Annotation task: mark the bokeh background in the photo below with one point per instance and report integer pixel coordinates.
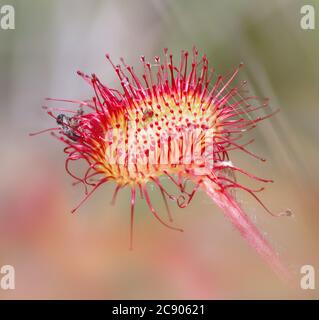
(60, 255)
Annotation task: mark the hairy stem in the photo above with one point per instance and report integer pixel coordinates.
(247, 229)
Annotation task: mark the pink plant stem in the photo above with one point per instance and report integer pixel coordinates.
(247, 229)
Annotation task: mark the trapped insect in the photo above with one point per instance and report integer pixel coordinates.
(69, 125)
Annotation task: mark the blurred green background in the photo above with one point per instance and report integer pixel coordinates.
(59, 255)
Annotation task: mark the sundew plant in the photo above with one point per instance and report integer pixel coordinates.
(179, 121)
